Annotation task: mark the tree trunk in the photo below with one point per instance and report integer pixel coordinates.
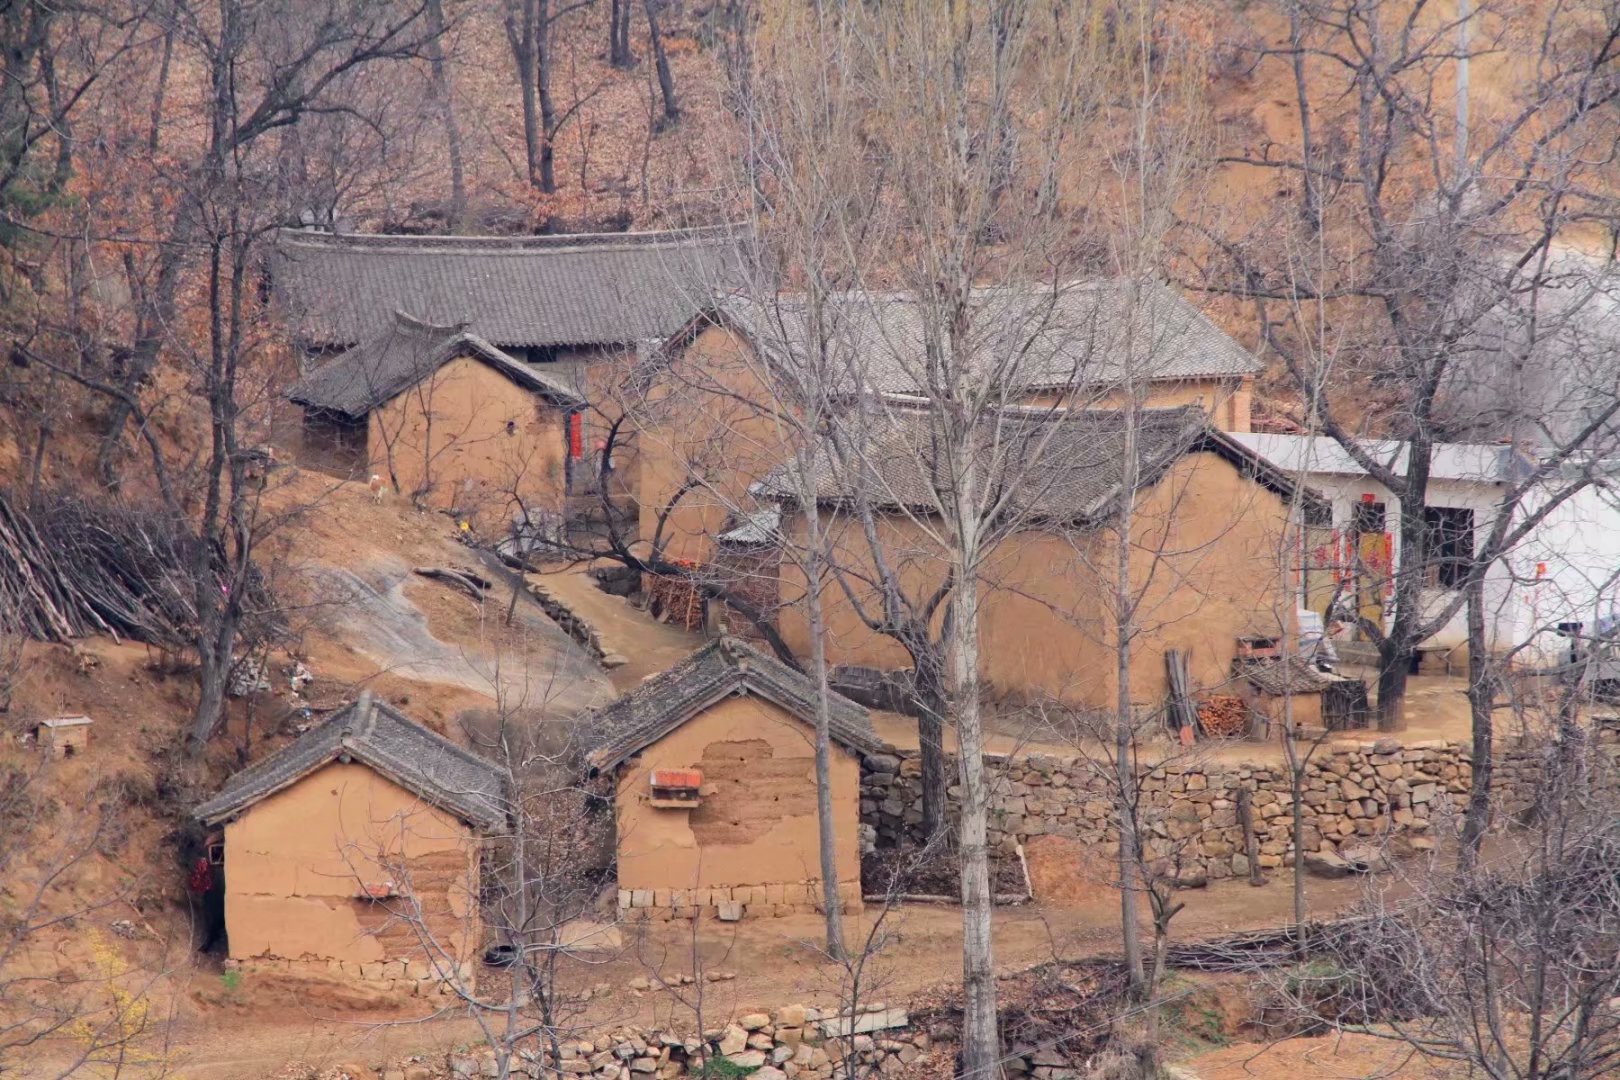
(666, 80)
(520, 36)
(619, 54)
(931, 705)
(447, 108)
(548, 106)
(1394, 665)
(981, 1041)
(1481, 706)
(1130, 844)
(827, 827)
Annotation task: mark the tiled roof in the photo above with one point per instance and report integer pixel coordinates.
(517, 292)
(380, 736)
(1294, 675)
(1036, 337)
(723, 668)
(1062, 466)
(402, 355)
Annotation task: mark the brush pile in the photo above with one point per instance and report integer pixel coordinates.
(72, 567)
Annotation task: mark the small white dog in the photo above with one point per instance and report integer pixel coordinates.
(379, 488)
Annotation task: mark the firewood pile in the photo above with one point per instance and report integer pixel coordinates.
(1223, 716)
(72, 567)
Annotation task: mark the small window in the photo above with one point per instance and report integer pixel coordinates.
(216, 854)
(1450, 540)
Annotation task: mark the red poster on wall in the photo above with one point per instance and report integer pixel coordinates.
(576, 434)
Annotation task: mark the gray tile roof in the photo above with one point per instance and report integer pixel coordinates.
(517, 292)
(385, 739)
(1063, 466)
(1293, 675)
(402, 355)
(1036, 337)
(723, 668)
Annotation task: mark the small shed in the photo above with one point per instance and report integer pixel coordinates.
(355, 846)
(714, 782)
(1277, 687)
(64, 736)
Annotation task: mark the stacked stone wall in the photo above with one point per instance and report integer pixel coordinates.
(1357, 796)
(729, 904)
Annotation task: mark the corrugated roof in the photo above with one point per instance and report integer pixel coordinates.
(380, 736)
(402, 355)
(1468, 462)
(719, 670)
(1034, 337)
(517, 292)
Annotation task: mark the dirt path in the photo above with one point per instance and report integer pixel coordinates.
(253, 1033)
(647, 645)
(378, 616)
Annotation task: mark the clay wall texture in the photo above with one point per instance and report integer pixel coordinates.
(753, 838)
(449, 434)
(1357, 796)
(1204, 565)
(297, 862)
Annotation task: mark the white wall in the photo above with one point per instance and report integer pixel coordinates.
(1576, 550)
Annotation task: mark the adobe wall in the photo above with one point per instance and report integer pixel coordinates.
(296, 864)
(449, 434)
(1045, 630)
(753, 839)
(1357, 796)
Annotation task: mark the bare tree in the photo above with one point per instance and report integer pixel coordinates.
(1408, 233)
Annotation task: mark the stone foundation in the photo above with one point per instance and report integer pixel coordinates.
(729, 904)
(416, 978)
(1356, 796)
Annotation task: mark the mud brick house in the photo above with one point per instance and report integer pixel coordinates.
(711, 431)
(714, 787)
(1207, 522)
(568, 308)
(349, 847)
(443, 415)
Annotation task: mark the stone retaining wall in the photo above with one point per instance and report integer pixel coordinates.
(794, 1042)
(572, 623)
(733, 903)
(1356, 796)
(413, 978)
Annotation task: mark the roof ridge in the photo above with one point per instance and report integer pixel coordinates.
(700, 234)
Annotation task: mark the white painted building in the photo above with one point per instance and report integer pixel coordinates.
(1565, 570)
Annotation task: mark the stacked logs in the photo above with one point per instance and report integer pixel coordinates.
(71, 567)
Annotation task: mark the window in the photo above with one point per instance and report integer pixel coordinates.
(1450, 540)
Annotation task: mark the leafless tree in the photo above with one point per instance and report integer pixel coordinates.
(1506, 966)
(1407, 233)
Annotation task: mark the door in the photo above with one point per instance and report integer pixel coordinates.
(1371, 552)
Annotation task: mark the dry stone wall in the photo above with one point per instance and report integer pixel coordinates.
(731, 903)
(795, 1042)
(1358, 797)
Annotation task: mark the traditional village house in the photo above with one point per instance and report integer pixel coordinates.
(443, 416)
(1208, 526)
(714, 778)
(711, 432)
(571, 308)
(356, 849)
(1567, 569)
